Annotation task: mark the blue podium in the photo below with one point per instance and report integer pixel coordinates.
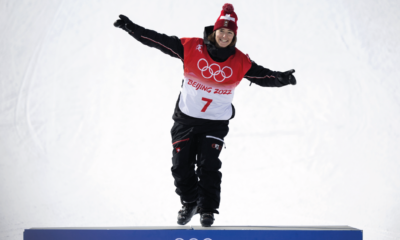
(197, 233)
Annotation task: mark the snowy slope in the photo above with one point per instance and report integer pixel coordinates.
(76, 149)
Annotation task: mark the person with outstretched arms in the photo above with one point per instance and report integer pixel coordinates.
(212, 68)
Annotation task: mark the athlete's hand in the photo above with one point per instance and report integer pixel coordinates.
(125, 24)
(286, 77)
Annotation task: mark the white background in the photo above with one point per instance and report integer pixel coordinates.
(85, 115)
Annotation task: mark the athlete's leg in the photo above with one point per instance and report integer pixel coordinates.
(208, 166)
(184, 145)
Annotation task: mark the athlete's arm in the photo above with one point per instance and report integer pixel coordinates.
(263, 76)
(170, 45)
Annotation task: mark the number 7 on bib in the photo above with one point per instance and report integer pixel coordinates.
(207, 104)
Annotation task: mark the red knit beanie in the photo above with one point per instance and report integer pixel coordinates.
(227, 19)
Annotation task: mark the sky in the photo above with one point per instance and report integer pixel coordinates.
(86, 113)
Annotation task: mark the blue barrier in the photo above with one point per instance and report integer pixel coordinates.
(197, 233)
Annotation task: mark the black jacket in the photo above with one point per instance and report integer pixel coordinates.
(172, 46)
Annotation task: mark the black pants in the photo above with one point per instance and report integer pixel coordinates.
(201, 146)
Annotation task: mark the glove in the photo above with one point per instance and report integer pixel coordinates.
(125, 24)
(286, 77)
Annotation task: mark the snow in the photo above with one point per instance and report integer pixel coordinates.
(85, 115)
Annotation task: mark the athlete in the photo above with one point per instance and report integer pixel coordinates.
(213, 67)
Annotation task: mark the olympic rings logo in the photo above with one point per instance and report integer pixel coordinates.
(193, 239)
(214, 70)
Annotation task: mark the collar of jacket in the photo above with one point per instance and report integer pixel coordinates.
(217, 54)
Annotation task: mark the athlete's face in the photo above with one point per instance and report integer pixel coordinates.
(224, 37)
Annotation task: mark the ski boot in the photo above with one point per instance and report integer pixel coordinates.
(186, 213)
(206, 219)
